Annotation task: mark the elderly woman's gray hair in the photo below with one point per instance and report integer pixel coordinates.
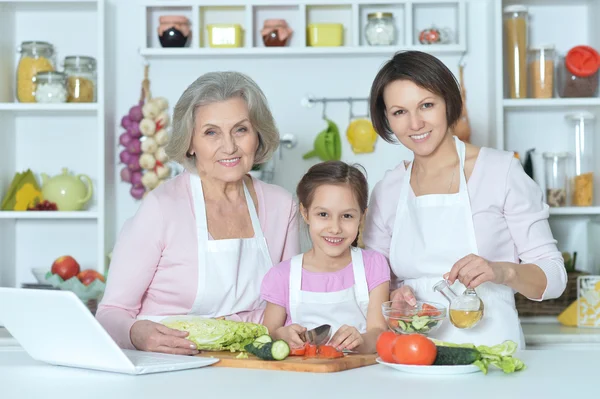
(216, 87)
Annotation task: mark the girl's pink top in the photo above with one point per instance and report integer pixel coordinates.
(154, 268)
(276, 284)
(509, 216)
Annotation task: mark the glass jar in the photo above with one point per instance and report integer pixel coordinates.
(578, 73)
(515, 39)
(582, 184)
(380, 30)
(466, 310)
(81, 79)
(541, 71)
(35, 57)
(556, 178)
(50, 87)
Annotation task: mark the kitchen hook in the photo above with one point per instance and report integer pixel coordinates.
(324, 110)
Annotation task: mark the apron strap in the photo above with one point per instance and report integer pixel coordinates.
(201, 238)
(295, 285)
(253, 214)
(361, 288)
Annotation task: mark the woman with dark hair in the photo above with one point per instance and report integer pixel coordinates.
(458, 212)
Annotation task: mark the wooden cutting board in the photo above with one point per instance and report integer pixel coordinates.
(292, 363)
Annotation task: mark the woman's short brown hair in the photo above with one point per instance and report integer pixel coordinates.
(425, 71)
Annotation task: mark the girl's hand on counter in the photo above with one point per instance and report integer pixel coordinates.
(149, 336)
(346, 338)
(291, 335)
(473, 270)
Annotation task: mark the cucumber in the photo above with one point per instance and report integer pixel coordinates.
(451, 356)
(277, 350)
(263, 339)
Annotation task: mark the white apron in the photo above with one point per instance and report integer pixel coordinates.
(230, 271)
(431, 233)
(349, 306)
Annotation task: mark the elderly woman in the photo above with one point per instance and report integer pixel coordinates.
(457, 211)
(201, 243)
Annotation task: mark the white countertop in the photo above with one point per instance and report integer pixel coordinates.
(22, 377)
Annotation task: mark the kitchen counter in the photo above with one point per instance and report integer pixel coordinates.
(549, 374)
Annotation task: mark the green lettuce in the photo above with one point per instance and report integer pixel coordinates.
(500, 356)
(218, 335)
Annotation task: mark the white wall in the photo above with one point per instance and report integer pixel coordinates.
(285, 81)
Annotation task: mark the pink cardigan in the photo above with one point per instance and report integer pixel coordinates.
(154, 262)
(509, 216)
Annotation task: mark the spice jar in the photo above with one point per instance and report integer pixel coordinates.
(515, 34)
(173, 30)
(275, 32)
(380, 29)
(35, 57)
(556, 178)
(583, 180)
(541, 71)
(81, 79)
(578, 73)
(50, 87)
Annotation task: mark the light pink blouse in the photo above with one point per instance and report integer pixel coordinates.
(509, 216)
(154, 268)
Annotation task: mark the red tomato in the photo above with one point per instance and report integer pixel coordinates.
(414, 349)
(385, 344)
(298, 351)
(428, 310)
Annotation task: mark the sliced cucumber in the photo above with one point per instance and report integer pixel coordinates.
(402, 325)
(280, 350)
(277, 350)
(263, 339)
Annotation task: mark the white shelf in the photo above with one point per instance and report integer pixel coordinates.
(290, 51)
(47, 215)
(575, 210)
(36, 107)
(531, 103)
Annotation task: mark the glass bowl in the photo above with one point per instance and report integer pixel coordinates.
(424, 318)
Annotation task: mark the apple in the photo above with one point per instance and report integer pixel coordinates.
(88, 276)
(66, 267)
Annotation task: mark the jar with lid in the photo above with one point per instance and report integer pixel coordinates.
(556, 178)
(578, 73)
(515, 35)
(35, 57)
(81, 79)
(50, 87)
(541, 71)
(380, 29)
(582, 184)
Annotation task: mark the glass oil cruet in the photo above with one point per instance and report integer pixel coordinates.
(466, 310)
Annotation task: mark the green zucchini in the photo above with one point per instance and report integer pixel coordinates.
(277, 350)
(451, 356)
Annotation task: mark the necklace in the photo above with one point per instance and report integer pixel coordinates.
(449, 186)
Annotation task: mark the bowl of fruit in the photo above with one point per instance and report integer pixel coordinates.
(423, 318)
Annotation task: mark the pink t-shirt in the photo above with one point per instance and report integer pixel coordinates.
(276, 284)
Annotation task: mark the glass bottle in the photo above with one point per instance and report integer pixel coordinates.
(556, 178)
(515, 35)
(50, 87)
(466, 310)
(35, 57)
(582, 187)
(81, 79)
(380, 30)
(541, 71)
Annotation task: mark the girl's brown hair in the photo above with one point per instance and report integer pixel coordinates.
(337, 173)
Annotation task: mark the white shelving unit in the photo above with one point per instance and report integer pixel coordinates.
(47, 137)
(564, 23)
(410, 17)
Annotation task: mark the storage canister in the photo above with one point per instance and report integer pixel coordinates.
(81, 79)
(582, 187)
(515, 39)
(541, 71)
(578, 73)
(35, 57)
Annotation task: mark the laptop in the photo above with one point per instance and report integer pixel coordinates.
(56, 327)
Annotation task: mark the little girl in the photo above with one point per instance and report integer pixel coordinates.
(334, 283)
